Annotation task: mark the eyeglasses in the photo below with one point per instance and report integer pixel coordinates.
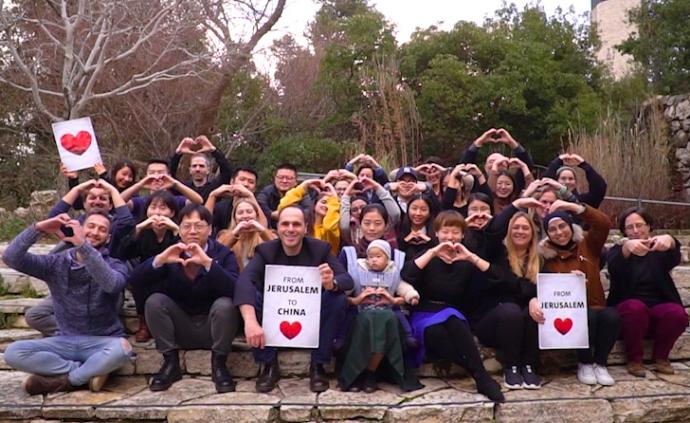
(637, 226)
(199, 226)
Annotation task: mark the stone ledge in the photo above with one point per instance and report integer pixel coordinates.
(562, 398)
(296, 362)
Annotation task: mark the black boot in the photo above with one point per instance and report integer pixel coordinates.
(318, 381)
(220, 373)
(489, 387)
(169, 373)
(270, 375)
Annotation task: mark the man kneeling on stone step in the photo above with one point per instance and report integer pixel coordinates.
(293, 248)
(193, 308)
(85, 284)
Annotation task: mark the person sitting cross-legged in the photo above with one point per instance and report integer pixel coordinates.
(85, 284)
(192, 307)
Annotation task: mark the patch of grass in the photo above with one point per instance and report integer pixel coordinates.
(11, 225)
(4, 289)
(29, 292)
(7, 320)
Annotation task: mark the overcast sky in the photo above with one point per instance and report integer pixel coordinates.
(409, 14)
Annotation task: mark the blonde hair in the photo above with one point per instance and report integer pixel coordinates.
(524, 266)
(247, 242)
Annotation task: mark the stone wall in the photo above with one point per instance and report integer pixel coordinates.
(40, 204)
(677, 115)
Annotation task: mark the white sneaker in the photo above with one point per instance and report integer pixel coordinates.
(585, 374)
(603, 376)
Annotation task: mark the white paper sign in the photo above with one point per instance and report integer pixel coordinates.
(292, 306)
(563, 299)
(76, 143)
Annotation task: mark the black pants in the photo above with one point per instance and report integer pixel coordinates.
(174, 329)
(512, 331)
(453, 341)
(604, 327)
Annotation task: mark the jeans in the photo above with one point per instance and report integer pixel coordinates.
(80, 357)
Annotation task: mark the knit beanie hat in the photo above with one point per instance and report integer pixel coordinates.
(381, 245)
(560, 214)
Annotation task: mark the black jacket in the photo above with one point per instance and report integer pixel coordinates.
(194, 296)
(597, 184)
(658, 264)
(314, 253)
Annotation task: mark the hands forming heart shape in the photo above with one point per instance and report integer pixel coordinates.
(193, 254)
(451, 252)
(478, 220)
(572, 160)
(200, 144)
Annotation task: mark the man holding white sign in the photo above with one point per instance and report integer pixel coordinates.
(289, 294)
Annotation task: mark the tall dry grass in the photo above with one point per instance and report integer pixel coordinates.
(635, 160)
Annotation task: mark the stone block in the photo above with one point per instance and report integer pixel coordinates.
(14, 402)
(682, 110)
(241, 363)
(149, 362)
(583, 411)
(147, 405)
(218, 413)
(460, 413)
(336, 405)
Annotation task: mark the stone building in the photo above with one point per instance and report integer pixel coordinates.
(611, 19)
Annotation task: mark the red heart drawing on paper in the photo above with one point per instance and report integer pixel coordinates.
(290, 330)
(563, 326)
(76, 144)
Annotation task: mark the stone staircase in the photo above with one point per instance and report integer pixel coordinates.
(448, 394)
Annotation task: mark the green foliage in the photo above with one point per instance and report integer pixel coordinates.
(7, 320)
(29, 292)
(4, 289)
(354, 36)
(661, 44)
(308, 153)
(531, 74)
(11, 226)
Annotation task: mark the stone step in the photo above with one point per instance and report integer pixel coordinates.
(295, 362)
(193, 399)
(18, 283)
(17, 306)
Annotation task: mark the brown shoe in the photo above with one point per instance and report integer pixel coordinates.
(664, 367)
(636, 368)
(96, 383)
(38, 385)
(143, 334)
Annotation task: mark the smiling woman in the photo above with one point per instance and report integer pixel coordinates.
(569, 249)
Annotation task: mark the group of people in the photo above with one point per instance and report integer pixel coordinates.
(413, 264)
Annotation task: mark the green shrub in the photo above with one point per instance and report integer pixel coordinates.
(11, 225)
(308, 153)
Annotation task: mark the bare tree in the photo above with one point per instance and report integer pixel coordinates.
(62, 51)
(222, 18)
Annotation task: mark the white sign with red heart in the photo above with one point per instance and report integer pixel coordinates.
(76, 143)
(292, 306)
(563, 300)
